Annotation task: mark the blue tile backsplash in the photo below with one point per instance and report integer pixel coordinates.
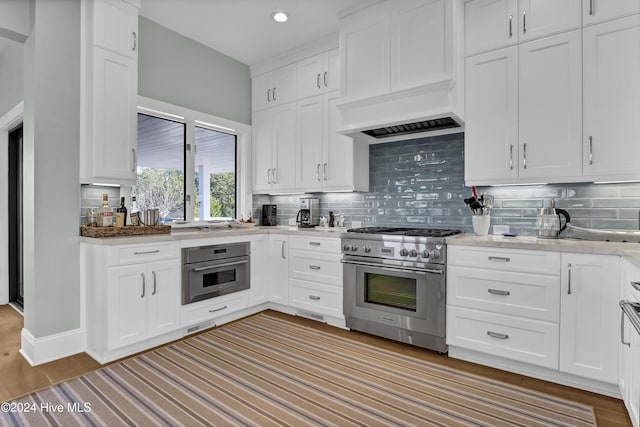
(420, 183)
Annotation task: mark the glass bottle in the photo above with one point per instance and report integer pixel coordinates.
(121, 214)
(134, 215)
(105, 214)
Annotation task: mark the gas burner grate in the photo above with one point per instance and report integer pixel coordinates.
(420, 232)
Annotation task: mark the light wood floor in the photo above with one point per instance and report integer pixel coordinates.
(19, 378)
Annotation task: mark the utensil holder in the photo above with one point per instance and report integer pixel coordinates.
(481, 224)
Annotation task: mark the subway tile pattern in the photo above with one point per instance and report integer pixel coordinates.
(420, 183)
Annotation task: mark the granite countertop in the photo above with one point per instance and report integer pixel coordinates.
(185, 233)
(631, 250)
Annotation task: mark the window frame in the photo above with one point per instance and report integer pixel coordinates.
(191, 119)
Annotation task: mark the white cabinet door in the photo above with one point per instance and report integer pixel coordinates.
(260, 259)
(311, 133)
(318, 74)
(539, 18)
(278, 269)
(550, 107)
(421, 42)
(612, 99)
(115, 126)
(341, 169)
(491, 112)
(127, 307)
(331, 76)
(116, 27)
(590, 316)
(595, 11)
(273, 88)
(364, 53)
(489, 25)
(262, 135)
(284, 138)
(163, 294)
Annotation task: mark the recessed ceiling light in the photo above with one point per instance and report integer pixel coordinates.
(280, 16)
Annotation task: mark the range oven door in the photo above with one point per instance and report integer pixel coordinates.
(396, 296)
(209, 279)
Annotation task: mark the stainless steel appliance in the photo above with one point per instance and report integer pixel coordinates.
(269, 215)
(395, 284)
(309, 213)
(631, 309)
(211, 271)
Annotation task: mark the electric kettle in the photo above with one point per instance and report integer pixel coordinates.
(548, 223)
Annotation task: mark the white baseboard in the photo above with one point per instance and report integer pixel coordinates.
(52, 347)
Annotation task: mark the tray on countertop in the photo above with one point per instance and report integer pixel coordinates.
(128, 230)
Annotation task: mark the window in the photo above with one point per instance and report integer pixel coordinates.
(160, 181)
(188, 164)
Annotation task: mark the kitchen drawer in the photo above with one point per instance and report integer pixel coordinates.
(316, 244)
(525, 340)
(518, 294)
(131, 254)
(317, 267)
(315, 297)
(202, 311)
(518, 260)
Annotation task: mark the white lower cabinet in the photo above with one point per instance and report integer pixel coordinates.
(133, 297)
(207, 311)
(315, 276)
(590, 316)
(279, 269)
(629, 347)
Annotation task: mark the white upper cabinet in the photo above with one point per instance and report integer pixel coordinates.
(318, 74)
(612, 99)
(491, 112)
(539, 18)
(595, 11)
(489, 25)
(109, 92)
(274, 88)
(550, 107)
(116, 27)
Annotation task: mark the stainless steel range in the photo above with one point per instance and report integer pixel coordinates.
(395, 285)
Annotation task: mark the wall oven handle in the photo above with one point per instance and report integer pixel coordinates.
(226, 264)
(387, 267)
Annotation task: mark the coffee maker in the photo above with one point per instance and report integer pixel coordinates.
(309, 213)
(269, 215)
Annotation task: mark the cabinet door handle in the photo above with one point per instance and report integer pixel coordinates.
(269, 176)
(155, 283)
(318, 80)
(325, 79)
(510, 26)
(269, 95)
(591, 7)
(622, 341)
(314, 297)
(568, 279)
(135, 41)
(314, 267)
(135, 159)
(314, 243)
(318, 172)
(283, 254)
(498, 335)
(511, 156)
(524, 22)
(499, 259)
(143, 285)
(147, 252)
(324, 172)
(590, 149)
(218, 309)
(273, 92)
(498, 292)
(524, 155)
(274, 177)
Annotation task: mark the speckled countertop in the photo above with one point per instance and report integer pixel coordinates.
(630, 250)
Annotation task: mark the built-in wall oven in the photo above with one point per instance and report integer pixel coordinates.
(212, 271)
(394, 284)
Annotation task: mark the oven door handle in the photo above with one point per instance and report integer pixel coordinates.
(227, 264)
(386, 267)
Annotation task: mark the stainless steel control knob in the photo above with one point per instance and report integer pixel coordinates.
(425, 254)
(354, 248)
(404, 252)
(435, 254)
(346, 248)
(413, 253)
(367, 249)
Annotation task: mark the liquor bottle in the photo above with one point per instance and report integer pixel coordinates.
(105, 214)
(121, 214)
(135, 212)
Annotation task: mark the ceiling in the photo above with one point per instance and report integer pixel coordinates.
(243, 29)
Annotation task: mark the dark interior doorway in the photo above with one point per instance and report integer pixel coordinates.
(16, 283)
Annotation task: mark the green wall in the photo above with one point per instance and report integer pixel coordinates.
(175, 69)
(51, 169)
(11, 76)
(15, 19)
